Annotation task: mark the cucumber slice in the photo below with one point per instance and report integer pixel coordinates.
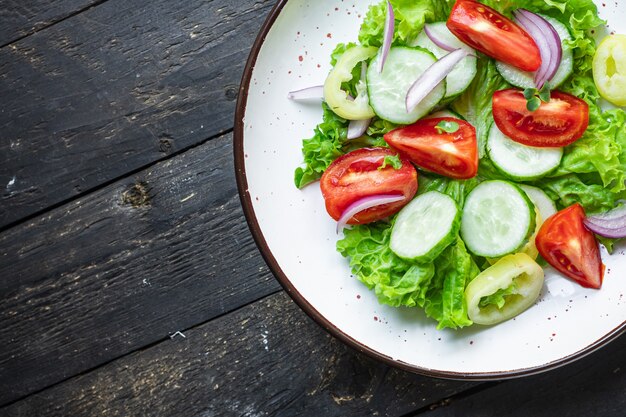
(540, 199)
(520, 162)
(498, 218)
(462, 75)
(523, 79)
(425, 227)
(387, 90)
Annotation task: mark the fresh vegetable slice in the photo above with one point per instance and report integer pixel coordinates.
(366, 173)
(547, 39)
(488, 31)
(314, 93)
(425, 227)
(557, 123)
(525, 79)
(609, 69)
(387, 37)
(464, 72)
(337, 99)
(540, 199)
(504, 290)
(432, 77)
(498, 218)
(452, 153)
(611, 224)
(565, 243)
(518, 161)
(530, 248)
(388, 90)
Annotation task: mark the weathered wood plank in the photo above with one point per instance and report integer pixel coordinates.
(115, 88)
(134, 262)
(266, 359)
(593, 386)
(20, 18)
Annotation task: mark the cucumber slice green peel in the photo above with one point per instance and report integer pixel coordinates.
(498, 219)
(387, 90)
(520, 162)
(425, 227)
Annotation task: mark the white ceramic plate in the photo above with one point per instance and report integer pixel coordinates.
(297, 237)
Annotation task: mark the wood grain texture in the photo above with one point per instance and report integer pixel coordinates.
(266, 359)
(20, 18)
(112, 89)
(593, 386)
(138, 260)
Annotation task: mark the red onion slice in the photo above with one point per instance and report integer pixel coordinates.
(356, 128)
(542, 43)
(553, 38)
(315, 93)
(610, 232)
(548, 41)
(611, 224)
(609, 218)
(390, 23)
(364, 204)
(441, 44)
(432, 77)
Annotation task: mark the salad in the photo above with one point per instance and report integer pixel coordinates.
(463, 144)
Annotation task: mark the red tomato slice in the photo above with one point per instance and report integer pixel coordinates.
(554, 124)
(358, 174)
(454, 155)
(493, 34)
(565, 243)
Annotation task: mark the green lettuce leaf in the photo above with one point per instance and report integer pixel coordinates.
(457, 189)
(410, 17)
(570, 189)
(499, 297)
(475, 103)
(445, 300)
(323, 148)
(395, 281)
(438, 287)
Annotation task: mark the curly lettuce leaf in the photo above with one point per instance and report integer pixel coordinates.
(499, 297)
(323, 148)
(474, 105)
(570, 189)
(445, 300)
(457, 189)
(395, 281)
(438, 287)
(410, 17)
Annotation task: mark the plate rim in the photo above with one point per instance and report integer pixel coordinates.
(296, 296)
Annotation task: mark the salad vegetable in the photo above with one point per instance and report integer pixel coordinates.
(431, 144)
(448, 150)
(504, 290)
(609, 69)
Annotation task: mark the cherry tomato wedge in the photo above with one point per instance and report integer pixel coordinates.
(555, 124)
(454, 154)
(493, 34)
(565, 243)
(360, 174)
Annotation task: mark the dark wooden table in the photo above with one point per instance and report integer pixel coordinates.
(130, 284)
